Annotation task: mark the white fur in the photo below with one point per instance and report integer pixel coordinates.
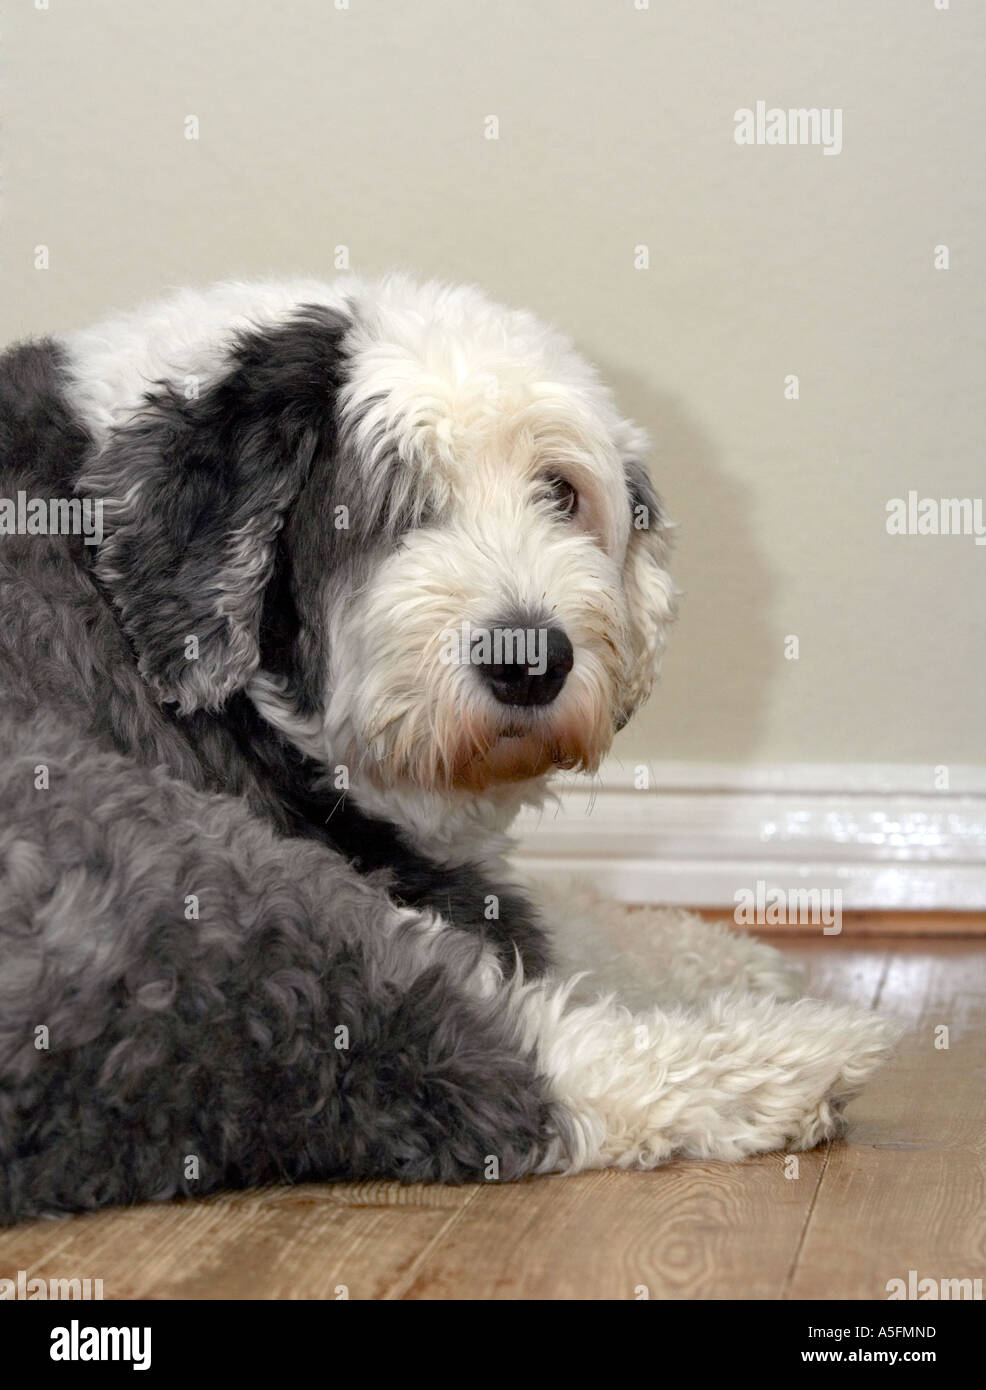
(478, 402)
(185, 336)
(691, 1040)
(696, 1041)
(731, 1076)
(661, 956)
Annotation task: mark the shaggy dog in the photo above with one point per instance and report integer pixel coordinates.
(372, 561)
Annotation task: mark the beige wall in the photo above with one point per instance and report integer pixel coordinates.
(365, 127)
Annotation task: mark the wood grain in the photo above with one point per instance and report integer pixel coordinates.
(910, 1191)
(906, 1191)
(867, 924)
(689, 1230)
(311, 1241)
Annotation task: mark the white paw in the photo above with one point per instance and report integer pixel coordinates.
(792, 1070)
(738, 1075)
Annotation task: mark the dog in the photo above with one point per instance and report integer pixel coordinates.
(264, 727)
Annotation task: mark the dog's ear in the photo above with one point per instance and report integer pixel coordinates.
(195, 492)
(650, 593)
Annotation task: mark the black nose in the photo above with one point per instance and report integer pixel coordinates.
(545, 660)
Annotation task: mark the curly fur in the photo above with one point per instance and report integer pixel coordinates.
(221, 963)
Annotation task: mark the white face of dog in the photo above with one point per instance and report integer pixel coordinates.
(410, 522)
(519, 618)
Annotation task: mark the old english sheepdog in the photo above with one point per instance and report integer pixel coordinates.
(307, 588)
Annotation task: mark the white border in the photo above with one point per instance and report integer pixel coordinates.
(702, 831)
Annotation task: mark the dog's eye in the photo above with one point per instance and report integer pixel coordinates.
(562, 495)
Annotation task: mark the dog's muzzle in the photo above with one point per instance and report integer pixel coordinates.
(518, 684)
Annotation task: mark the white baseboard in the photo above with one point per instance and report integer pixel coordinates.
(701, 832)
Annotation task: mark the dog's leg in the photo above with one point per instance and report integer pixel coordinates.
(731, 1062)
(737, 1075)
(188, 1002)
(659, 955)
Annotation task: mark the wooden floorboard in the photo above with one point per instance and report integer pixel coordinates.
(312, 1241)
(867, 924)
(907, 1190)
(910, 1191)
(690, 1230)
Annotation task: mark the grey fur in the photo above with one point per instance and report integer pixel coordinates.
(133, 1036)
(195, 493)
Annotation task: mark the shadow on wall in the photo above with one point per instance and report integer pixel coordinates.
(723, 655)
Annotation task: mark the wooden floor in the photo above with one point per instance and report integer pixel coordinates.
(906, 1191)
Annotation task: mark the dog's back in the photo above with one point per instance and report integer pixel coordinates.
(197, 990)
(255, 918)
